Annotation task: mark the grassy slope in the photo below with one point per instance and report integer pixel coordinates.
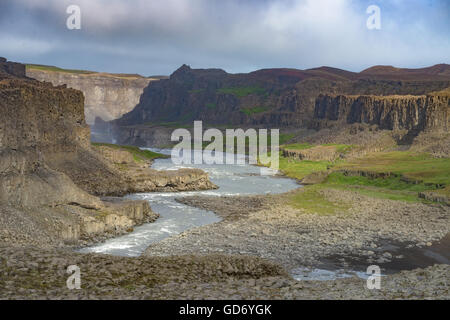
(56, 69)
(433, 172)
(420, 167)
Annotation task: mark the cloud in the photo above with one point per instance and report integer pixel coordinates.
(237, 35)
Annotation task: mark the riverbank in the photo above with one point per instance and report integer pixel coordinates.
(31, 273)
(360, 230)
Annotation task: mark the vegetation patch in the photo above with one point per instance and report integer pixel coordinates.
(254, 110)
(393, 187)
(416, 167)
(342, 148)
(211, 105)
(138, 154)
(298, 146)
(299, 169)
(312, 200)
(391, 183)
(241, 92)
(56, 69)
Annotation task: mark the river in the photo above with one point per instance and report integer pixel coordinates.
(176, 217)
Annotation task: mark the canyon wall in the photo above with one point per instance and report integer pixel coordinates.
(108, 96)
(270, 97)
(413, 113)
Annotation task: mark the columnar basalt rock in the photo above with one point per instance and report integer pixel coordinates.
(413, 113)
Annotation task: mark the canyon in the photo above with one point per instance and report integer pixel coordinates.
(60, 191)
(389, 98)
(107, 95)
(51, 176)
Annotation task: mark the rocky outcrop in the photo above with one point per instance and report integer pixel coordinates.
(141, 178)
(108, 96)
(318, 153)
(412, 113)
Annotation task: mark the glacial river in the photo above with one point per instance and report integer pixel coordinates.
(176, 217)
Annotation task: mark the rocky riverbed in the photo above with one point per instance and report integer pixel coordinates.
(30, 273)
(266, 227)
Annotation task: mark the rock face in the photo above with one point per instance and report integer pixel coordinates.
(108, 96)
(413, 113)
(273, 97)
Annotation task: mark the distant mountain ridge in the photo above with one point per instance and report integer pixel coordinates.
(279, 97)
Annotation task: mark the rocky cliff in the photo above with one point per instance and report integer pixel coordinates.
(271, 97)
(412, 113)
(108, 96)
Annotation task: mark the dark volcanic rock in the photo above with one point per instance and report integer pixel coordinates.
(270, 97)
(413, 113)
(12, 68)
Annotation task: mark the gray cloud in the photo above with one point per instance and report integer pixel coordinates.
(156, 36)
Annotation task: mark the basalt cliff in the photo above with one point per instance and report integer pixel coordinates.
(51, 176)
(107, 95)
(388, 97)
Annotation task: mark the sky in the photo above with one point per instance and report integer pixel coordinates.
(155, 37)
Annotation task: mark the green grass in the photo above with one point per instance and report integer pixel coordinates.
(254, 110)
(342, 148)
(422, 173)
(211, 105)
(285, 137)
(393, 187)
(299, 169)
(312, 201)
(56, 69)
(391, 183)
(138, 154)
(415, 167)
(241, 92)
(298, 146)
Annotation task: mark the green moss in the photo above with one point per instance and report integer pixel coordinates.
(241, 92)
(254, 110)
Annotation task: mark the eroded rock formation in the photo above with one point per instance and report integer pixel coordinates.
(108, 96)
